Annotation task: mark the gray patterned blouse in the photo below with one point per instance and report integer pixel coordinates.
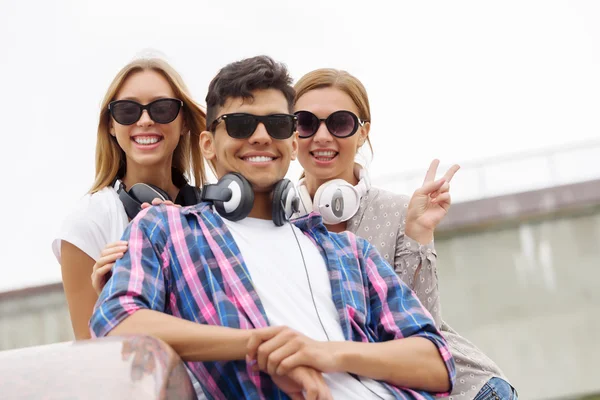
(380, 220)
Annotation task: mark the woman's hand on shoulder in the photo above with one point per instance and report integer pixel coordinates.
(157, 202)
(111, 253)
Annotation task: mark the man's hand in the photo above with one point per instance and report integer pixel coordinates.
(303, 383)
(278, 350)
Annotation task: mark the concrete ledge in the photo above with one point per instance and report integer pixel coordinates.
(509, 209)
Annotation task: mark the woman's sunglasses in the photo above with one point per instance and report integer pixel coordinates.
(161, 111)
(341, 124)
(242, 125)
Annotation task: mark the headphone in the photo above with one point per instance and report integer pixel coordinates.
(233, 198)
(336, 200)
(139, 193)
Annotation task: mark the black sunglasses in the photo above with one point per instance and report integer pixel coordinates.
(161, 111)
(242, 125)
(341, 124)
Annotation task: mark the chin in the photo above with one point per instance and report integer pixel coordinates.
(262, 185)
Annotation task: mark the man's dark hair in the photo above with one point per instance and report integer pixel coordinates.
(241, 78)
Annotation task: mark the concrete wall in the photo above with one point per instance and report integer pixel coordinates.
(33, 317)
(529, 296)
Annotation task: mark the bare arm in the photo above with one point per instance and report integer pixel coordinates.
(76, 267)
(414, 362)
(192, 341)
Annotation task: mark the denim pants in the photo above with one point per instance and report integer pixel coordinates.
(496, 389)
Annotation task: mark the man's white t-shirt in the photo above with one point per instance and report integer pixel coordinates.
(97, 220)
(275, 263)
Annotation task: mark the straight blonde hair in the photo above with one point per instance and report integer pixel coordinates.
(188, 161)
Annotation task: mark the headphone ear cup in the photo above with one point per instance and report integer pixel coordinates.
(188, 196)
(242, 197)
(285, 202)
(139, 193)
(337, 201)
(132, 205)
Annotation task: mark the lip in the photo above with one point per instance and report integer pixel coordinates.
(146, 147)
(321, 162)
(259, 154)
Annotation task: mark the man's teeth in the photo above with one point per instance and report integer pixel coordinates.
(259, 159)
(146, 140)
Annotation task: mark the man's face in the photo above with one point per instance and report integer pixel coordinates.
(262, 160)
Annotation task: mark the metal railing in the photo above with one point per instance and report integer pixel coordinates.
(512, 173)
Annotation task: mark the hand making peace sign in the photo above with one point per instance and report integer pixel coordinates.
(429, 204)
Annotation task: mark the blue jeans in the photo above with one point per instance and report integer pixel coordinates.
(496, 389)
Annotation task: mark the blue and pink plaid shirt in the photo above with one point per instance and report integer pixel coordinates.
(184, 262)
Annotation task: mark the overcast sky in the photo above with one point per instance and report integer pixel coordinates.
(461, 81)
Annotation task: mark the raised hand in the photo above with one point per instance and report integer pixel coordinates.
(429, 204)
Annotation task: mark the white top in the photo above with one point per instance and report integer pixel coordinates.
(97, 220)
(274, 261)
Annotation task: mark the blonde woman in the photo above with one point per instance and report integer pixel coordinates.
(147, 147)
(334, 120)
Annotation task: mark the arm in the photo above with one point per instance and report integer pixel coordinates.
(416, 265)
(76, 267)
(134, 299)
(406, 350)
(192, 341)
(413, 362)
(395, 315)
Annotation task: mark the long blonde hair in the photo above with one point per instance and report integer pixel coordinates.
(188, 161)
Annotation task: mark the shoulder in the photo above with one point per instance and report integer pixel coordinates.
(173, 219)
(379, 199)
(95, 220)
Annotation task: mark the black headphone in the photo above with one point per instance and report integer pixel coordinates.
(139, 193)
(233, 198)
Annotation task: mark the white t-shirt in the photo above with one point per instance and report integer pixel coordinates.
(97, 220)
(279, 276)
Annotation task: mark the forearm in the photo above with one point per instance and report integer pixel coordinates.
(192, 341)
(413, 362)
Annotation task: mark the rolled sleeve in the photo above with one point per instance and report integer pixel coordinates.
(138, 280)
(396, 312)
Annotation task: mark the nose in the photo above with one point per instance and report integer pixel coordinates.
(322, 136)
(260, 135)
(145, 119)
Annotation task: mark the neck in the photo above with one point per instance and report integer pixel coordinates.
(263, 207)
(160, 177)
(313, 182)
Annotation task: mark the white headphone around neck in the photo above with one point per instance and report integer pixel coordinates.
(336, 200)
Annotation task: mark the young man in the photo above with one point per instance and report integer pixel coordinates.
(257, 309)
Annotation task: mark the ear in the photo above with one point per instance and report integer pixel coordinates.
(363, 134)
(111, 128)
(207, 145)
(294, 146)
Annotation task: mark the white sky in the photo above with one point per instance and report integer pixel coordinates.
(459, 80)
